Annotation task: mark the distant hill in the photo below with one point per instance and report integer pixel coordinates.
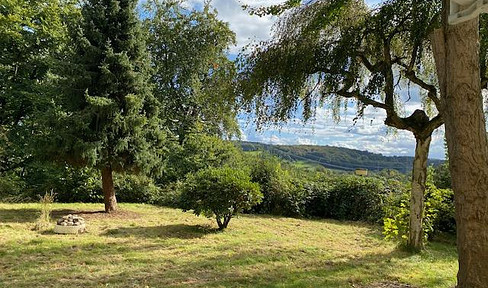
(337, 158)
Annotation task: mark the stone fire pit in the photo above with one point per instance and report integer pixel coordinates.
(70, 224)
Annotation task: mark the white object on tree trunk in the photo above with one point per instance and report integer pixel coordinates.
(464, 10)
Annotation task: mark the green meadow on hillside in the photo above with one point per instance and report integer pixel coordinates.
(149, 246)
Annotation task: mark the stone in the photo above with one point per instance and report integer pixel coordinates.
(70, 224)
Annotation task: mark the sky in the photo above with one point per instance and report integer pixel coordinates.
(368, 134)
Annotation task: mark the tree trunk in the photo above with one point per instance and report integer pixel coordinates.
(219, 222)
(462, 105)
(223, 221)
(419, 178)
(108, 190)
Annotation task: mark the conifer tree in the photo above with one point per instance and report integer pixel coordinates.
(107, 117)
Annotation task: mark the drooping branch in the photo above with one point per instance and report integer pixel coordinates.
(431, 89)
(365, 100)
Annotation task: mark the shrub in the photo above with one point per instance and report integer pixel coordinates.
(11, 187)
(198, 151)
(396, 221)
(442, 176)
(438, 214)
(79, 185)
(280, 196)
(70, 184)
(439, 210)
(170, 195)
(317, 196)
(223, 192)
(356, 198)
(133, 188)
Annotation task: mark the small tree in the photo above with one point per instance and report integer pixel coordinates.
(222, 192)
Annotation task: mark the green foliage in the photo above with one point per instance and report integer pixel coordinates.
(303, 193)
(11, 188)
(338, 158)
(194, 79)
(79, 185)
(439, 210)
(438, 214)
(317, 198)
(70, 184)
(137, 189)
(356, 198)
(170, 195)
(198, 151)
(279, 195)
(32, 37)
(106, 115)
(442, 176)
(396, 221)
(222, 192)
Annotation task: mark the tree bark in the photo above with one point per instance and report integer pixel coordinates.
(219, 222)
(108, 190)
(419, 178)
(462, 105)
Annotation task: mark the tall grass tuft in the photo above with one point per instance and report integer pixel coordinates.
(46, 201)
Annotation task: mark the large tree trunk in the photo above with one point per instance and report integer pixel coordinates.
(419, 178)
(108, 190)
(456, 50)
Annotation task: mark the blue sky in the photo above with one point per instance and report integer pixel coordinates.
(368, 133)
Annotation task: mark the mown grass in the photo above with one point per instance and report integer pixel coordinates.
(147, 246)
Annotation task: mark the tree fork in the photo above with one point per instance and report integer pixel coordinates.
(108, 190)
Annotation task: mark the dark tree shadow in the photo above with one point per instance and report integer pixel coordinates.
(180, 231)
(59, 213)
(24, 215)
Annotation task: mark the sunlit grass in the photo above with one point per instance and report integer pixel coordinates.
(147, 246)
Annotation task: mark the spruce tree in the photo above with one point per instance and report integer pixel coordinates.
(107, 117)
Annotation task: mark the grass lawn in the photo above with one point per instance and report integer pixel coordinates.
(147, 246)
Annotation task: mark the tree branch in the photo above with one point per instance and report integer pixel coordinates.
(367, 101)
(431, 89)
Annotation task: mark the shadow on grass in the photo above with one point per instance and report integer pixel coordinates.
(30, 215)
(192, 264)
(274, 267)
(24, 215)
(180, 231)
(62, 212)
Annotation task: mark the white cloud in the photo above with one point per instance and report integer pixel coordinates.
(248, 28)
(306, 141)
(368, 133)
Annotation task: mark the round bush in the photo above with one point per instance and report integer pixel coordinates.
(223, 192)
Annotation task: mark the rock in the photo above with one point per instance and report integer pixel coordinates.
(73, 224)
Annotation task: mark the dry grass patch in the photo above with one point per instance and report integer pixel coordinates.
(147, 246)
